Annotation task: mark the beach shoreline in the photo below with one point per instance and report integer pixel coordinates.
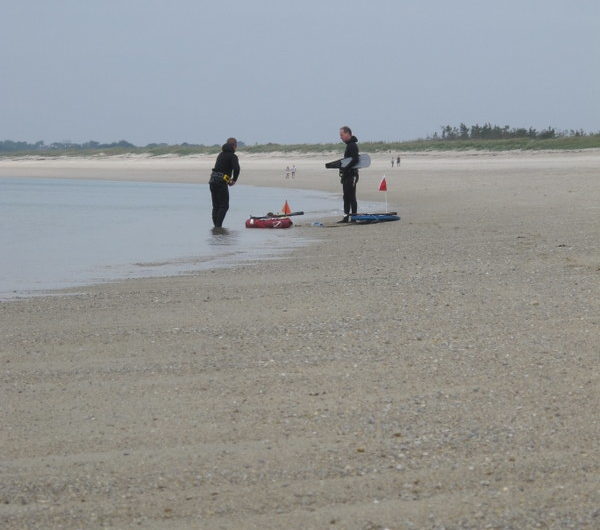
(59, 233)
(440, 371)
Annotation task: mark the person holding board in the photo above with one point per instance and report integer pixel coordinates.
(224, 174)
(349, 174)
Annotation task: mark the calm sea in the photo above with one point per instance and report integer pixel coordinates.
(58, 233)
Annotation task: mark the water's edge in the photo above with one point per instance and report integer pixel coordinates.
(224, 248)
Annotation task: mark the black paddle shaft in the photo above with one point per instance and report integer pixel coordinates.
(276, 215)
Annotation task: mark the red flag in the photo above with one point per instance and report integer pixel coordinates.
(286, 209)
(383, 185)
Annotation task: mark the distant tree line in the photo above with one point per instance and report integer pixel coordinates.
(8, 146)
(487, 131)
(485, 137)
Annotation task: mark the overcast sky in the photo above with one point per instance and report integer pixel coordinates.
(198, 71)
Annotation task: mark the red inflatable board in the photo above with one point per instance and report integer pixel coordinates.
(272, 222)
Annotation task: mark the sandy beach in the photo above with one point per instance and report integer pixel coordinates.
(437, 372)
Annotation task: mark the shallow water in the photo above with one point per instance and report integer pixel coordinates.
(58, 233)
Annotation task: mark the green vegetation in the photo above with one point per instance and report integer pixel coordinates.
(559, 143)
(13, 149)
(483, 138)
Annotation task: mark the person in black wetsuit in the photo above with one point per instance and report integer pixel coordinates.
(224, 174)
(348, 175)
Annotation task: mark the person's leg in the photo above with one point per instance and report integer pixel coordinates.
(353, 203)
(220, 199)
(223, 205)
(215, 202)
(348, 194)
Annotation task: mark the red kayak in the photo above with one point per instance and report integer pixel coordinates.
(269, 222)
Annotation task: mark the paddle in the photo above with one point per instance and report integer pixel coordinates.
(273, 215)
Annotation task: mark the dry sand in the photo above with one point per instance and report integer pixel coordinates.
(437, 372)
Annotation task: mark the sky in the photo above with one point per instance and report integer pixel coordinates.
(199, 71)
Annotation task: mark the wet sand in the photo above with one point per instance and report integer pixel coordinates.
(437, 372)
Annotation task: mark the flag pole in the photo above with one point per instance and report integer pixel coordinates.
(386, 203)
(383, 187)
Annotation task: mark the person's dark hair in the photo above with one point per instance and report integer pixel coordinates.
(232, 141)
(346, 129)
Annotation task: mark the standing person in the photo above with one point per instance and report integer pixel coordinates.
(398, 162)
(348, 175)
(224, 174)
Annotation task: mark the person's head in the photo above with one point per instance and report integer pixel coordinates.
(345, 133)
(232, 142)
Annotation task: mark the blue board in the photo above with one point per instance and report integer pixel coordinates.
(374, 217)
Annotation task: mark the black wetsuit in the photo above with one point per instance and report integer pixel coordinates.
(349, 177)
(227, 166)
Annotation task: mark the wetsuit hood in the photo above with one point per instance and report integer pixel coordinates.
(352, 139)
(227, 148)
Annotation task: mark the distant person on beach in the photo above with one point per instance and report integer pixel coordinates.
(287, 172)
(398, 162)
(294, 171)
(392, 162)
(224, 174)
(348, 175)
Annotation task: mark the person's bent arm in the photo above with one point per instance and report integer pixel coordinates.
(235, 173)
(353, 148)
